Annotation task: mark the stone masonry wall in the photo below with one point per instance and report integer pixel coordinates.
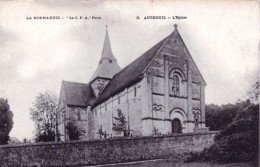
(128, 102)
(102, 151)
(174, 59)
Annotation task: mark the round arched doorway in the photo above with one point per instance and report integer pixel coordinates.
(176, 126)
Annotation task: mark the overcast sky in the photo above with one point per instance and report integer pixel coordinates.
(36, 55)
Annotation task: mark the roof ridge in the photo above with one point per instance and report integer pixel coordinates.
(115, 85)
(78, 94)
(75, 82)
(143, 54)
(191, 57)
(167, 38)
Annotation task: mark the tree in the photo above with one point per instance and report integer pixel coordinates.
(238, 142)
(6, 121)
(43, 115)
(218, 117)
(120, 122)
(253, 93)
(75, 132)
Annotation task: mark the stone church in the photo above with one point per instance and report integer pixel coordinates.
(161, 92)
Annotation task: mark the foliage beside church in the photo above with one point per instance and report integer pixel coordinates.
(237, 141)
(43, 113)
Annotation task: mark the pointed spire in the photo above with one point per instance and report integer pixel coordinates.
(107, 51)
(108, 66)
(175, 26)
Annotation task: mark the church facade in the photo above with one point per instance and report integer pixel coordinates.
(161, 92)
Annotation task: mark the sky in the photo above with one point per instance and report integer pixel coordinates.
(36, 55)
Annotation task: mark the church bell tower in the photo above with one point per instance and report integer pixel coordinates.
(106, 69)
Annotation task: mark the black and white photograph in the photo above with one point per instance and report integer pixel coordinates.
(129, 83)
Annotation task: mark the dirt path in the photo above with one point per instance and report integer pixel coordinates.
(167, 163)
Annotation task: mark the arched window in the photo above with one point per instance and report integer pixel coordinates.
(78, 115)
(176, 85)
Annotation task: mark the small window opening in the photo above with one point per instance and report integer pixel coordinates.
(78, 115)
(110, 61)
(176, 85)
(135, 91)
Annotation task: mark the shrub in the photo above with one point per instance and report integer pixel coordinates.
(238, 142)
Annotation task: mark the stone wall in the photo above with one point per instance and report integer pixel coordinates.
(128, 102)
(102, 151)
(172, 60)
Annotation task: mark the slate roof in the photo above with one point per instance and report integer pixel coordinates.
(107, 66)
(78, 94)
(107, 51)
(130, 74)
(106, 70)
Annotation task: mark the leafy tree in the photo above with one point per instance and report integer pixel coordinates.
(75, 132)
(43, 115)
(6, 121)
(253, 93)
(238, 142)
(120, 122)
(218, 117)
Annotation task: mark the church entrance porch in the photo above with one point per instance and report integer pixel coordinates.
(176, 126)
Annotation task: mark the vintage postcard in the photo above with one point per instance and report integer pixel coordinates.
(129, 83)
